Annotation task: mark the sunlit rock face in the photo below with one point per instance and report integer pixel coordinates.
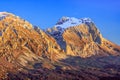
(83, 40)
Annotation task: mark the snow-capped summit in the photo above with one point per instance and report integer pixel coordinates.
(66, 22)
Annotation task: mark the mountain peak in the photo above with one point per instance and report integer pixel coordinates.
(66, 22)
(72, 34)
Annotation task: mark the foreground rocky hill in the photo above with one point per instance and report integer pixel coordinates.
(21, 43)
(72, 50)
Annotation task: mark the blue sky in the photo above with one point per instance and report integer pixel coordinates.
(45, 13)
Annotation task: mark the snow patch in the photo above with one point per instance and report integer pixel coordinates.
(66, 22)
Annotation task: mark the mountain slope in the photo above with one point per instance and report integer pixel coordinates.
(73, 50)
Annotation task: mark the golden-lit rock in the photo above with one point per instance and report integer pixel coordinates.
(28, 53)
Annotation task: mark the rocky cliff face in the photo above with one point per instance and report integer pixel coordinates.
(80, 37)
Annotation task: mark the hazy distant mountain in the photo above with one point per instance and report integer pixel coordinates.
(73, 49)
